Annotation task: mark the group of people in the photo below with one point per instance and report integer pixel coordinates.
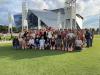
(51, 39)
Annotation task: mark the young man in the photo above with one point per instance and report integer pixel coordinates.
(88, 38)
(70, 40)
(52, 43)
(36, 41)
(16, 43)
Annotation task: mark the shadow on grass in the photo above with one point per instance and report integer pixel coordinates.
(8, 51)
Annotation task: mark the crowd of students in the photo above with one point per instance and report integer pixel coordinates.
(51, 39)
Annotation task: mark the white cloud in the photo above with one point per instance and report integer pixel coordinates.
(89, 7)
(86, 8)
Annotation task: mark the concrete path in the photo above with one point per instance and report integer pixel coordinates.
(5, 42)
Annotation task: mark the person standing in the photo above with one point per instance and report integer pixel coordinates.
(16, 43)
(88, 38)
(92, 36)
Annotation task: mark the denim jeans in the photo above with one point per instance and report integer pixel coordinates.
(16, 47)
(88, 42)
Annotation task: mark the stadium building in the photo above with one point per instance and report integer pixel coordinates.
(48, 18)
(62, 18)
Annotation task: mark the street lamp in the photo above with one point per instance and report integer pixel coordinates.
(24, 15)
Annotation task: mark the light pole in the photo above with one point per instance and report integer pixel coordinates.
(59, 20)
(24, 15)
(11, 20)
(99, 23)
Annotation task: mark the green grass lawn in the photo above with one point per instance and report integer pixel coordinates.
(36, 62)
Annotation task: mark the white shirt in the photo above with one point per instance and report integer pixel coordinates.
(20, 39)
(78, 43)
(33, 35)
(42, 42)
(49, 35)
(31, 41)
(71, 35)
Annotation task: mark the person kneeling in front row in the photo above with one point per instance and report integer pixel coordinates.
(78, 44)
(42, 43)
(31, 43)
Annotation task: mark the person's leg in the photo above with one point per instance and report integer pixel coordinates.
(69, 46)
(88, 43)
(14, 46)
(17, 47)
(30, 46)
(43, 47)
(22, 46)
(40, 47)
(78, 48)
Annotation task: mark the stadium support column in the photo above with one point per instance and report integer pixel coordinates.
(75, 16)
(24, 15)
(39, 23)
(71, 19)
(59, 20)
(70, 13)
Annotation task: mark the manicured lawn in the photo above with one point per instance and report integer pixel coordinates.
(97, 36)
(36, 62)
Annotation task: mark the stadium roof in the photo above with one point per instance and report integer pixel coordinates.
(48, 17)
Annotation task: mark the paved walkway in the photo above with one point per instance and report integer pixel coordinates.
(5, 42)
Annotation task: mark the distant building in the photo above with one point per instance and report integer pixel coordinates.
(47, 17)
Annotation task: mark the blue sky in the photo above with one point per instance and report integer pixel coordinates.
(89, 9)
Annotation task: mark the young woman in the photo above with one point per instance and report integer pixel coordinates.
(58, 42)
(42, 43)
(52, 43)
(65, 44)
(31, 43)
(24, 43)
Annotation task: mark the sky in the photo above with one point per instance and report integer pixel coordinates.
(89, 9)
